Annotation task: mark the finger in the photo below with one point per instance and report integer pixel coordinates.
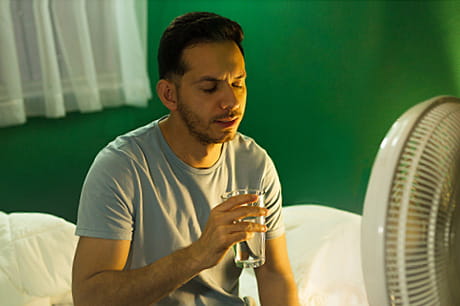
(236, 201)
(247, 227)
(245, 212)
(239, 213)
(241, 236)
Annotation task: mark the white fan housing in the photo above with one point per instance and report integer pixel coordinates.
(410, 239)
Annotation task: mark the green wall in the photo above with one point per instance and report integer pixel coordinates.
(326, 81)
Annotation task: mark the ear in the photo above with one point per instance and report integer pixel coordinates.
(167, 92)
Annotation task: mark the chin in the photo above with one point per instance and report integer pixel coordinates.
(217, 140)
(228, 137)
(215, 137)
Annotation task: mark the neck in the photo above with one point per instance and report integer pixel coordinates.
(187, 147)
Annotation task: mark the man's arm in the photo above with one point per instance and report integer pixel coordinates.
(275, 280)
(98, 277)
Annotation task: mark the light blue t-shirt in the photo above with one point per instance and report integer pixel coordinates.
(137, 189)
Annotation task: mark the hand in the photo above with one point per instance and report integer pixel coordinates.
(223, 230)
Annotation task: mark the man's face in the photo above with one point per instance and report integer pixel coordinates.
(211, 95)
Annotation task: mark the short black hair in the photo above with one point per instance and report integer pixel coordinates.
(190, 29)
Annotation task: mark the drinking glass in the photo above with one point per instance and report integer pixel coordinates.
(250, 253)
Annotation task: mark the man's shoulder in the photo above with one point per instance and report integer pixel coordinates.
(133, 146)
(139, 135)
(249, 158)
(134, 140)
(243, 143)
(246, 150)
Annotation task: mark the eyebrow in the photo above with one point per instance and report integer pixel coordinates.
(214, 79)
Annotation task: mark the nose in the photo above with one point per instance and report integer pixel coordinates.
(229, 99)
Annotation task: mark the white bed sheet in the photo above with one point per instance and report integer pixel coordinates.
(324, 252)
(36, 253)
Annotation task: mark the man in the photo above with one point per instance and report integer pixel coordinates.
(153, 226)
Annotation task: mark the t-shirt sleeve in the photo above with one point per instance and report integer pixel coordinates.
(105, 209)
(273, 201)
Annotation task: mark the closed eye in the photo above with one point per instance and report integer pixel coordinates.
(210, 90)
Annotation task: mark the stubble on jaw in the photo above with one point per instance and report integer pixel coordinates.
(197, 128)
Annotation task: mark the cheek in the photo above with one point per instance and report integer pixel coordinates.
(244, 92)
(242, 98)
(241, 94)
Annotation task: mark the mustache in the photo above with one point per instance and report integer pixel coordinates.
(230, 114)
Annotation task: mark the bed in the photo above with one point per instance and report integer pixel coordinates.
(36, 253)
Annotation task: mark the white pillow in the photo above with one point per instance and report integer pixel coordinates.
(36, 253)
(324, 251)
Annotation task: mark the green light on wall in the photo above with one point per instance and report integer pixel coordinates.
(449, 19)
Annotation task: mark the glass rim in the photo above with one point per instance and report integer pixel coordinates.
(236, 192)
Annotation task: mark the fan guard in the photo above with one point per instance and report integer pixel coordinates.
(410, 228)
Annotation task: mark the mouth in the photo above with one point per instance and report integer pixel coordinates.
(227, 122)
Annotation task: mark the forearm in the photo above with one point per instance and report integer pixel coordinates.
(275, 279)
(142, 286)
(278, 290)
(98, 277)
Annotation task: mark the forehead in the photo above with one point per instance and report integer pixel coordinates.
(217, 59)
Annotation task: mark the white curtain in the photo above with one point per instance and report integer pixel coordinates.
(58, 56)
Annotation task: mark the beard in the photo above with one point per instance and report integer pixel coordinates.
(202, 130)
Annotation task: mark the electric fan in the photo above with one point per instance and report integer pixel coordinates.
(410, 232)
